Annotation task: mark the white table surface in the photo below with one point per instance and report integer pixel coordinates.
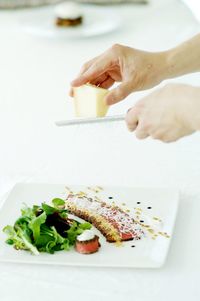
(34, 80)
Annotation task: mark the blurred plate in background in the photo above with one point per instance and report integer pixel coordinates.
(97, 21)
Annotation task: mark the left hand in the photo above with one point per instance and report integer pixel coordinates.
(166, 114)
(136, 70)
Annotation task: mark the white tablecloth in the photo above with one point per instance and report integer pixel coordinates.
(34, 79)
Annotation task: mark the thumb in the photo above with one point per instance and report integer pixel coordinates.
(119, 93)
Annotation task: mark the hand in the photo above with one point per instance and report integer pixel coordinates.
(137, 70)
(166, 114)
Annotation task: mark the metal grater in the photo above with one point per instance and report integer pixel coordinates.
(79, 121)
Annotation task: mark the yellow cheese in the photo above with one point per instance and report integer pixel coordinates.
(89, 101)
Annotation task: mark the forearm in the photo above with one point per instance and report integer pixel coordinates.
(183, 59)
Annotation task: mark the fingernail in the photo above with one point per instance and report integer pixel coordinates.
(77, 81)
(71, 93)
(73, 83)
(130, 129)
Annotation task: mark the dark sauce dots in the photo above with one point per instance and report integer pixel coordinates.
(110, 197)
(149, 207)
(133, 246)
(138, 203)
(141, 221)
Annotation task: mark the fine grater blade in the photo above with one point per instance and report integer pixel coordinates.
(80, 121)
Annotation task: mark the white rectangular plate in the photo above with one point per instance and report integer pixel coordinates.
(147, 253)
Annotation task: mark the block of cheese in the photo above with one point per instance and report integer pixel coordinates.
(89, 101)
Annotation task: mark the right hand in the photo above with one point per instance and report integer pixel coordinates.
(135, 69)
(167, 114)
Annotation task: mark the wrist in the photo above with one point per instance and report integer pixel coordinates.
(188, 106)
(195, 119)
(180, 61)
(171, 63)
(165, 67)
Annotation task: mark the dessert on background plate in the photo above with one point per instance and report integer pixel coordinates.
(89, 101)
(70, 21)
(68, 14)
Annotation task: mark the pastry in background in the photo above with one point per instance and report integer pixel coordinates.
(89, 101)
(68, 14)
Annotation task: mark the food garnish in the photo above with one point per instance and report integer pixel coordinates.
(44, 228)
(87, 242)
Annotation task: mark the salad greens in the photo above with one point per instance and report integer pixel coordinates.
(44, 228)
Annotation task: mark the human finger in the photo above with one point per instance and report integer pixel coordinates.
(119, 93)
(132, 118)
(97, 68)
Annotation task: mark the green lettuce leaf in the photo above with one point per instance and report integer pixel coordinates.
(19, 239)
(35, 225)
